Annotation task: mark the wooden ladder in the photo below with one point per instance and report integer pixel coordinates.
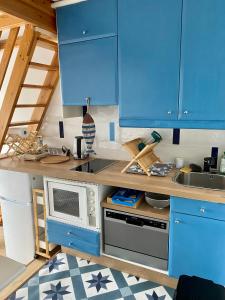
(27, 45)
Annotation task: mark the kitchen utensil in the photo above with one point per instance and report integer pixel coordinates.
(209, 162)
(88, 130)
(158, 201)
(144, 158)
(79, 148)
(195, 168)
(155, 138)
(59, 151)
(54, 159)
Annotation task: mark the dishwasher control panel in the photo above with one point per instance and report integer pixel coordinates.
(136, 220)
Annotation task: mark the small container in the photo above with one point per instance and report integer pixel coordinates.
(158, 201)
(222, 164)
(79, 148)
(179, 161)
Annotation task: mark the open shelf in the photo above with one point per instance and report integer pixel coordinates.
(143, 210)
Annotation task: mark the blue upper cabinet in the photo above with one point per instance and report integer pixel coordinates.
(87, 34)
(89, 69)
(202, 93)
(149, 34)
(87, 20)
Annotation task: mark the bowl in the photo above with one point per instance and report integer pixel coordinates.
(158, 201)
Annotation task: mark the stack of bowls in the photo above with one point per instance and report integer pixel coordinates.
(158, 201)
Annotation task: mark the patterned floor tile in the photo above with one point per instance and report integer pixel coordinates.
(131, 279)
(158, 293)
(126, 291)
(21, 294)
(99, 282)
(70, 278)
(57, 290)
(84, 263)
(56, 265)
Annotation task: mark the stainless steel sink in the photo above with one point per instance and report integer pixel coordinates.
(202, 180)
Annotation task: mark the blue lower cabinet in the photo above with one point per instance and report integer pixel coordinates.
(199, 208)
(74, 237)
(197, 247)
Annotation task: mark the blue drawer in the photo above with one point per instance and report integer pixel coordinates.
(74, 237)
(198, 208)
(87, 20)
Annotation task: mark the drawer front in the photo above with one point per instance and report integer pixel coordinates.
(198, 208)
(74, 237)
(87, 20)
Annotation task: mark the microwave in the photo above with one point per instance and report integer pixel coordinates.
(75, 203)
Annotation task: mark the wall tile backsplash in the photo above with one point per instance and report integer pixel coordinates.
(194, 144)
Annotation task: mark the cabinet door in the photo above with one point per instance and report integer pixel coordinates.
(197, 247)
(149, 56)
(86, 20)
(89, 69)
(202, 94)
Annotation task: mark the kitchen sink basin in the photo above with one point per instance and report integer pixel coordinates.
(201, 180)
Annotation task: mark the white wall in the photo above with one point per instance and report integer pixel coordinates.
(194, 144)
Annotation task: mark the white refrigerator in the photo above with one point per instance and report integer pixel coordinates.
(17, 214)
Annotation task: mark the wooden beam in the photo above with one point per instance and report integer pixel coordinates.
(7, 21)
(42, 5)
(7, 53)
(17, 78)
(39, 13)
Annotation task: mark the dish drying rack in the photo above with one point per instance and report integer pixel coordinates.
(42, 246)
(144, 158)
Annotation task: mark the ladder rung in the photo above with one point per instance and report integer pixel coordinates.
(44, 67)
(47, 43)
(36, 86)
(22, 123)
(29, 105)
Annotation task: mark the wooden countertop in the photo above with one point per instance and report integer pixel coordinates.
(112, 176)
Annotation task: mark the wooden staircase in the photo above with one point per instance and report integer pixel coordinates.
(23, 63)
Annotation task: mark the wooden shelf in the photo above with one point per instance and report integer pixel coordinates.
(143, 210)
(42, 246)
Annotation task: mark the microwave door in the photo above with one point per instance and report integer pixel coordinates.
(68, 203)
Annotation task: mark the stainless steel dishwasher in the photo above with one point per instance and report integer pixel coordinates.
(135, 238)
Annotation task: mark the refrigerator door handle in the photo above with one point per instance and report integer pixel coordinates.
(14, 201)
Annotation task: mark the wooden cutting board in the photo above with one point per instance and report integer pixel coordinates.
(54, 159)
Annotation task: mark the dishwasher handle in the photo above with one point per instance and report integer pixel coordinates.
(135, 221)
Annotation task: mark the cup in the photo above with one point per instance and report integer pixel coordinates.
(179, 161)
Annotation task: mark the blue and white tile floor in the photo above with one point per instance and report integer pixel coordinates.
(68, 278)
